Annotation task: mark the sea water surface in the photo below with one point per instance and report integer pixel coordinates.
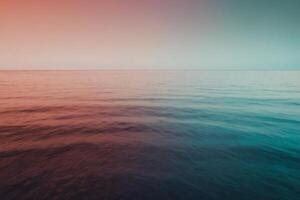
(140, 135)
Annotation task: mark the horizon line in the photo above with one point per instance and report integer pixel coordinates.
(136, 69)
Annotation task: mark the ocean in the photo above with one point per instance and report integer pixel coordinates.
(150, 135)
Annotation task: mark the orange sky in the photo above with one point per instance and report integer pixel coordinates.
(144, 34)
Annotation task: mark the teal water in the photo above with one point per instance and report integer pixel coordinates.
(150, 135)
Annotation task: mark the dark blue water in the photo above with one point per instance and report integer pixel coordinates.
(150, 135)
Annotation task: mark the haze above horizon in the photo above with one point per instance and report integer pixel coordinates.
(150, 35)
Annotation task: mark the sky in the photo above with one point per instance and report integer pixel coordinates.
(150, 34)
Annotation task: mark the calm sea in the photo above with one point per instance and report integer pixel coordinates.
(159, 135)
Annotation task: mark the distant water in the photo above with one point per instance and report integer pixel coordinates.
(139, 135)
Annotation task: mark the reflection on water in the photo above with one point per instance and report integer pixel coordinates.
(149, 135)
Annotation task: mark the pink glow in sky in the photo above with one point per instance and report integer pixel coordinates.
(152, 34)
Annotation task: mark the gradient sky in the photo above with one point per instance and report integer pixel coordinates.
(150, 34)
